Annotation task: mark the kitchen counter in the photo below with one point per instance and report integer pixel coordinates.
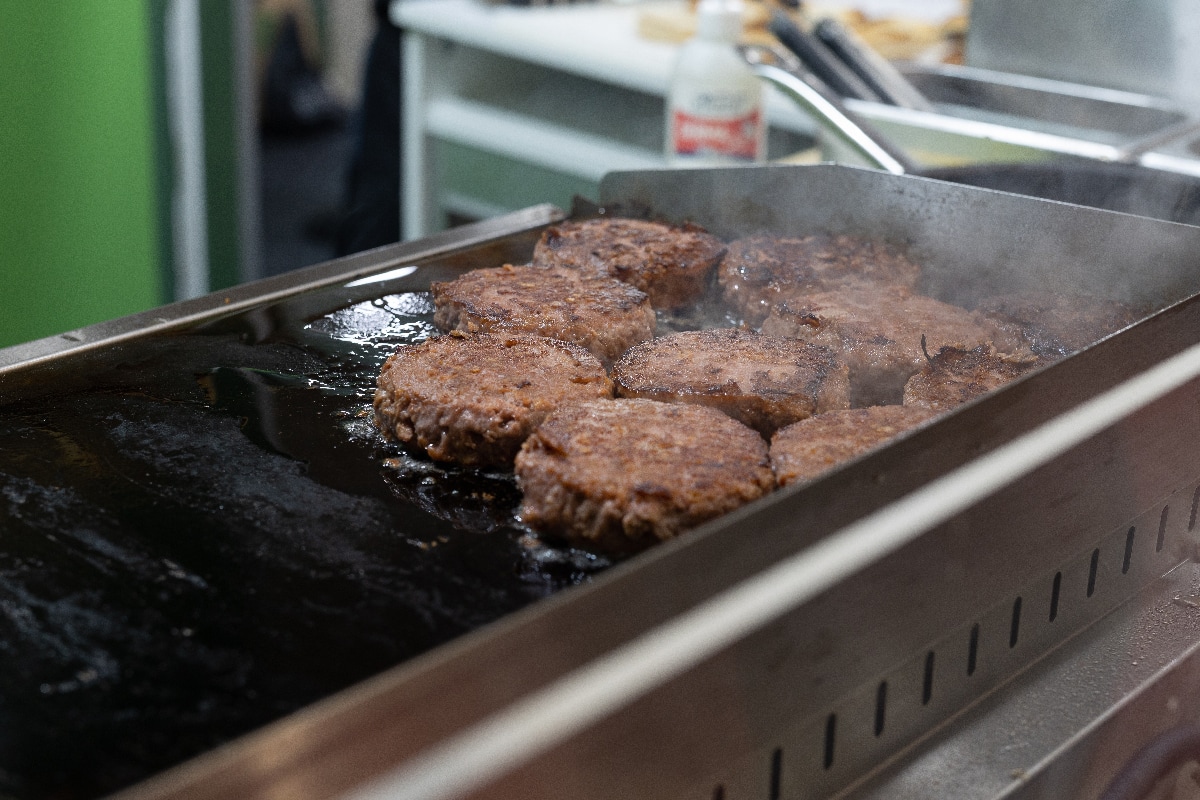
(591, 40)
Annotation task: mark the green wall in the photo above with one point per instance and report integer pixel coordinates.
(79, 215)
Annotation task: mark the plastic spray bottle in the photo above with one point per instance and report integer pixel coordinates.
(715, 110)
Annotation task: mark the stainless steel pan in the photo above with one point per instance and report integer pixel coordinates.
(1117, 185)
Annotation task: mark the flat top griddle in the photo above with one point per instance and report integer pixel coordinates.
(206, 533)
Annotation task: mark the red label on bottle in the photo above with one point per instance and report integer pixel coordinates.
(733, 138)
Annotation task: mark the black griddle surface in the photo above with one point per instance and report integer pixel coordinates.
(200, 533)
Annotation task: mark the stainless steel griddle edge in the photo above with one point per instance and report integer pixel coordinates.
(179, 315)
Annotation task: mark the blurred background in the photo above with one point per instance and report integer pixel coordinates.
(158, 150)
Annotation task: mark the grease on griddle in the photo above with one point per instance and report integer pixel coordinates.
(202, 532)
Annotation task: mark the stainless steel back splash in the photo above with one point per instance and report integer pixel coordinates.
(1147, 46)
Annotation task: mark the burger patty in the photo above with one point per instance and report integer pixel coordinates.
(671, 263)
(763, 381)
(760, 270)
(596, 311)
(1055, 324)
(620, 475)
(473, 399)
(883, 334)
(807, 448)
(954, 376)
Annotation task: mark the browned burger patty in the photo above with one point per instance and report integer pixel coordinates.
(620, 475)
(1055, 324)
(600, 313)
(673, 264)
(473, 400)
(878, 331)
(760, 270)
(954, 376)
(764, 381)
(807, 448)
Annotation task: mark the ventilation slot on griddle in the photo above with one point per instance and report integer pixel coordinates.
(880, 708)
(1014, 630)
(927, 686)
(830, 734)
(973, 650)
(1091, 585)
(1055, 590)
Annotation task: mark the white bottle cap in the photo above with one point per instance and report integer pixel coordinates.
(719, 20)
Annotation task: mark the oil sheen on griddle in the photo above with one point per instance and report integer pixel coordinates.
(204, 532)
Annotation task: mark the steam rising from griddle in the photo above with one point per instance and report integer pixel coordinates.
(844, 323)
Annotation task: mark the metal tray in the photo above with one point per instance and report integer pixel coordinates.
(985, 115)
(1057, 107)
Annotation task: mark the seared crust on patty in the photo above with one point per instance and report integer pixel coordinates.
(954, 376)
(473, 400)
(620, 475)
(806, 449)
(760, 270)
(1055, 324)
(674, 264)
(598, 312)
(879, 333)
(763, 381)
